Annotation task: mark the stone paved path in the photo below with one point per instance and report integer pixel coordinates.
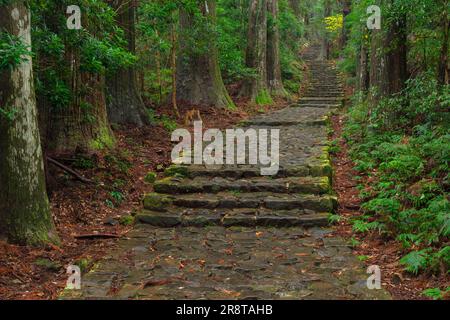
(226, 232)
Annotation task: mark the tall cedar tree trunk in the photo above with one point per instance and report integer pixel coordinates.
(443, 70)
(173, 65)
(199, 80)
(125, 105)
(82, 125)
(256, 54)
(346, 9)
(325, 41)
(377, 66)
(388, 59)
(396, 69)
(362, 71)
(24, 209)
(274, 80)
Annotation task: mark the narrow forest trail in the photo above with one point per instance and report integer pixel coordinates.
(229, 233)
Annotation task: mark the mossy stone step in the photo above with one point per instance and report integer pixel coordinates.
(231, 218)
(308, 185)
(228, 200)
(319, 105)
(320, 169)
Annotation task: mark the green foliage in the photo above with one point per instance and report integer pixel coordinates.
(117, 196)
(404, 145)
(168, 123)
(263, 98)
(12, 51)
(436, 293)
(8, 113)
(416, 261)
(83, 163)
(126, 220)
(334, 218)
(150, 177)
(99, 47)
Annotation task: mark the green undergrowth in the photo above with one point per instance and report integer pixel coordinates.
(402, 145)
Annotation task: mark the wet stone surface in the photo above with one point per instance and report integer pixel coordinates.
(229, 263)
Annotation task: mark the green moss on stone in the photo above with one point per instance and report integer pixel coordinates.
(127, 220)
(176, 170)
(263, 98)
(104, 140)
(157, 202)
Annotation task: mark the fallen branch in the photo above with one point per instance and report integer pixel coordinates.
(69, 170)
(97, 236)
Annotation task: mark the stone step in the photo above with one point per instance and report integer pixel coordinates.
(320, 101)
(333, 99)
(318, 105)
(232, 217)
(307, 185)
(254, 200)
(324, 93)
(292, 116)
(327, 87)
(320, 169)
(334, 91)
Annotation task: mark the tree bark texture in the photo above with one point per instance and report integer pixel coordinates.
(125, 105)
(24, 209)
(256, 87)
(274, 79)
(199, 80)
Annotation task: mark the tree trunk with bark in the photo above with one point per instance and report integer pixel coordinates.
(256, 87)
(274, 80)
(362, 71)
(173, 66)
(396, 57)
(389, 59)
(377, 66)
(199, 79)
(325, 40)
(125, 105)
(79, 123)
(443, 68)
(82, 125)
(25, 216)
(346, 10)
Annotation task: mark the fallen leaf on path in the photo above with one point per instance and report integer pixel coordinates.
(302, 254)
(155, 283)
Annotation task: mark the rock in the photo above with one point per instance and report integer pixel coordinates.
(157, 202)
(110, 221)
(159, 219)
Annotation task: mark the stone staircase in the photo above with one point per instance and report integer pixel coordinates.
(237, 195)
(226, 232)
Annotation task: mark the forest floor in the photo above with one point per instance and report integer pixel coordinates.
(91, 217)
(372, 248)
